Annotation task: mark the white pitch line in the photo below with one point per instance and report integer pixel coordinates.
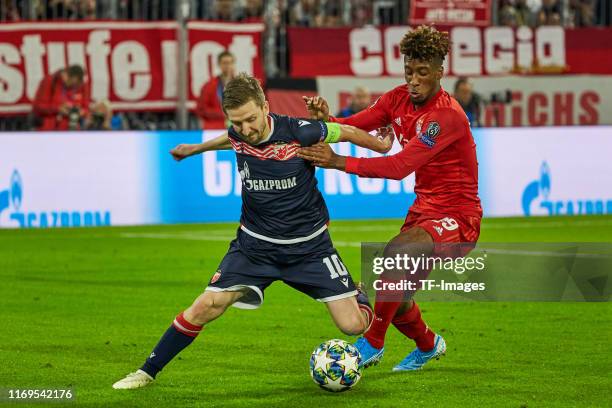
(203, 237)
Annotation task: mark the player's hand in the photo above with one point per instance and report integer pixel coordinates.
(317, 107)
(386, 136)
(182, 151)
(322, 155)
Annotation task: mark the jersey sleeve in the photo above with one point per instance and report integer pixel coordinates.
(373, 117)
(440, 129)
(308, 131)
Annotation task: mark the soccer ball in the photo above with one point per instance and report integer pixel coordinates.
(334, 365)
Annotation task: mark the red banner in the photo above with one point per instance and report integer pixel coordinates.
(374, 51)
(451, 13)
(134, 65)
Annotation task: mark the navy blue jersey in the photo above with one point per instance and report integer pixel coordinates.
(280, 198)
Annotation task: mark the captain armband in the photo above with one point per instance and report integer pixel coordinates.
(333, 132)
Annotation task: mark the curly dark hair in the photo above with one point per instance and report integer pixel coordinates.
(425, 43)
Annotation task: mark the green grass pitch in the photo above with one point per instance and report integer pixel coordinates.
(81, 308)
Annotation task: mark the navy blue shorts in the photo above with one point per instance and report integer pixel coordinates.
(312, 267)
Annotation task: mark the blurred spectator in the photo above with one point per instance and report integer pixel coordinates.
(361, 12)
(62, 100)
(359, 101)
(306, 13)
(469, 100)
(208, 107)
(549, 13)
(515, 13)
(9, 10)
(581, 13)
(253, 10)
(508, 14)
(332, 13)
(225, 10)
(524, 15)
(102, 118)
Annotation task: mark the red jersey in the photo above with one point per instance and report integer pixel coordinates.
(209, 106)
(437, 144)
(51, 95)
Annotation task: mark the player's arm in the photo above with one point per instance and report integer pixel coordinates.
(418, 152)
(373, 117)
(346, 133)
(185, 150)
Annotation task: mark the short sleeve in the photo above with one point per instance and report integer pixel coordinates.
(308, 131)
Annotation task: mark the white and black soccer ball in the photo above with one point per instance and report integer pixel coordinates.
(334, 365)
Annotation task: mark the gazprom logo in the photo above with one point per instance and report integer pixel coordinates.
(538, 200)
(12, 200)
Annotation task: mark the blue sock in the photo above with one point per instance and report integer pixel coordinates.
(178, 336)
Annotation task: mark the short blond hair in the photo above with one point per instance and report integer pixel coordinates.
(242, 89)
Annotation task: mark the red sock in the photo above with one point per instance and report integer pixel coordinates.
(384, 312)
(412, 326)
(183, 326)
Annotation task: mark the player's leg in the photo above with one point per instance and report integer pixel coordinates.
(448, 234)
(413, 242)
(351, 316)
(320, 273)
(237, 281)
(181, 333)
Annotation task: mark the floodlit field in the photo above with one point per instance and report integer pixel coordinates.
(81, 308)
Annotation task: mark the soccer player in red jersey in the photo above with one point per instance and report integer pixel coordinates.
(438, 146)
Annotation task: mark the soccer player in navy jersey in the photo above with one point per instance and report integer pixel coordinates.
(283, 225)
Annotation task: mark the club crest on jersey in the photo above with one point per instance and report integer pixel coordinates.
(280, 151)
(216, 276)
(428, 137)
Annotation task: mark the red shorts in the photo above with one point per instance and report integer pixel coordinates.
(447, 230)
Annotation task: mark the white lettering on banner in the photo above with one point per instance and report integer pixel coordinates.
(466, 50)
(364, 42)
(203, 63)
(57, 56)
(217, 175)
(499, 55)
(245, 50)
(524, 48)
(98, 50)
(131, 71)
(338, 182)
(221, 177)
(493, 50)
(393, 57)
(550, 46)
(11, 81)
(369, 185)
(33, 51)
(170, 61)
(204, 59)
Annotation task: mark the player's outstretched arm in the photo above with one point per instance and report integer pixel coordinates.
(347, 133)
(183, 151)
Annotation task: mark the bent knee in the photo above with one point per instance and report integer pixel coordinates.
(353, 327)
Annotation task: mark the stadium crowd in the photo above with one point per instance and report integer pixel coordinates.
(277, 15)
(308, 13)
